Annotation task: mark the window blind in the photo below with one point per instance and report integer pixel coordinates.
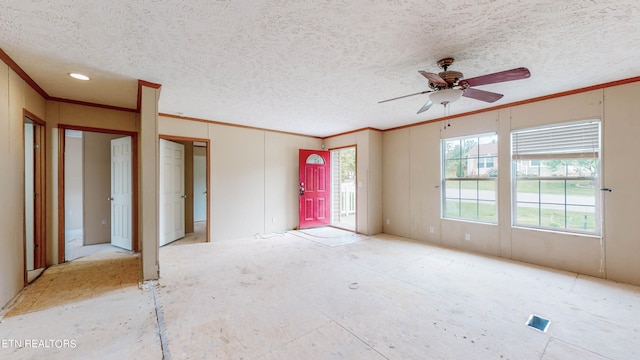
(567, 141)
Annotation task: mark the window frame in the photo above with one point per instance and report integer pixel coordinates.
(541, 159)
(477, 178)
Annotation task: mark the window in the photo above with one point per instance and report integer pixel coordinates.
(555, 173)
(469, 172)
(485, 163)
(315, 159)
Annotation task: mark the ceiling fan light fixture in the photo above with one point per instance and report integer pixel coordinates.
(448, 86)
(445, 96)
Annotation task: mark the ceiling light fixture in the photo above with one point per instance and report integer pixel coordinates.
(446, 96)
(79, 76)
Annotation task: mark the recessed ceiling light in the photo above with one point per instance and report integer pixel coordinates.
(79, 76)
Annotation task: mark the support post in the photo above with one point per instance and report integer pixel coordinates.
(148, 175)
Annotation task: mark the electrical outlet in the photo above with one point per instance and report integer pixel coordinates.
(467, 237)
(388, 221)
(273, 220)
(431, 229)
(104, 221)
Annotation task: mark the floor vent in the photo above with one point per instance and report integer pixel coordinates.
(538, 323)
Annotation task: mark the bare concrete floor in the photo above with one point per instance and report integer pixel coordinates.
(380, 297)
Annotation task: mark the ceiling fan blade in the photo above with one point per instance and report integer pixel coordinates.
(508, 75)
(482, 95)
(404, 96)
(433, 78)
(425, 107)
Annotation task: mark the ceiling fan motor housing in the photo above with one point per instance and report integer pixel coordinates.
(451, 77)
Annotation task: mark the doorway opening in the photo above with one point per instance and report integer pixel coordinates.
(34, 197)
(343, 188)
(184, 190)
(99, 192)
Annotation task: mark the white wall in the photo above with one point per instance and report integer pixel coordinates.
(621, 174)
(148, 174)
(396, 194)
(411, 172)
(237, 182)
(281, 179)
(374, 191)
(73, 182)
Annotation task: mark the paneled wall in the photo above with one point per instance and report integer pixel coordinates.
(368, 176)
(411, 174)
(254, 176)
(15, 95)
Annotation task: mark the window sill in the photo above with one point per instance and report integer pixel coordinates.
(567, 233)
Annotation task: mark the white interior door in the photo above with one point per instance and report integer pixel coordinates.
(172, 194)
(121, 193)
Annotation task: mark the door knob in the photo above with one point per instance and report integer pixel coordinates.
(184, 196)
(110, 199)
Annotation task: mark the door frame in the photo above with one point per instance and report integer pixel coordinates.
(354, 146)
(207, 171)
(61, 171)
(40, 187)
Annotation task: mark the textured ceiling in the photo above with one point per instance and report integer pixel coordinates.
(314, 67)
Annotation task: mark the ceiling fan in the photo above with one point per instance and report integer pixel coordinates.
(448, 86)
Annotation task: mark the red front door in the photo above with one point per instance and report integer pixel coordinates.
(315, 188)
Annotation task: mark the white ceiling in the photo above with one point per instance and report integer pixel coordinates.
(314, 67)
